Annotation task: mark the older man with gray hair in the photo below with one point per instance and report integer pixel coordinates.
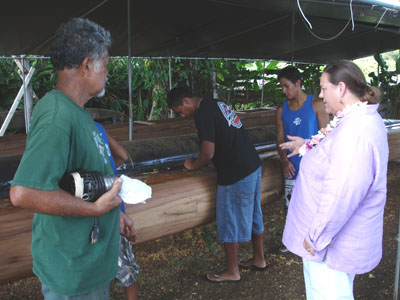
(75, 243)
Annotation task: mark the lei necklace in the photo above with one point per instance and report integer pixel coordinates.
(323, 132)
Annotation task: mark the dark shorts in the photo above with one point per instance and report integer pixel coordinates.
(128, 268)
(239, 213)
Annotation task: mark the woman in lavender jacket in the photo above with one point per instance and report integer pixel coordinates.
(335, 218)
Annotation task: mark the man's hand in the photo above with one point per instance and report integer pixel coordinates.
(288, 169)
(189, 163)
(207, 149)
(110, 199)
(126, 227)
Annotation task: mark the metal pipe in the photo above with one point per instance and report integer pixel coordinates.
(396, 277)
(25, 94)
(129, 168)
(262, 87)
(15, 104)
(186, 57)
(292, 42)
(28, 95)
(130, 71)
(171, 113)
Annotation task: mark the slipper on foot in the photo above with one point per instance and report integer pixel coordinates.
(284, 250)
(253, 267)
(216, 276)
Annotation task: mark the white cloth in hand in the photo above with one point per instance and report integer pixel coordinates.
(134, 191)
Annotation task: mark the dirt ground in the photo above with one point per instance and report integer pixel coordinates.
(173, 268)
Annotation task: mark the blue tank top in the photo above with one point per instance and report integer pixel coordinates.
(302, 122)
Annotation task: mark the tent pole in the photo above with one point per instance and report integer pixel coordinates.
(214, 79)
(130, 71)
(28, 99)
(15, 104)
(171, 113)
(262, 87)
(396, 277)
(169, 73)
(292, 34)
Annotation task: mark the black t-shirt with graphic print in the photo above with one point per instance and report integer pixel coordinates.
(235, 156)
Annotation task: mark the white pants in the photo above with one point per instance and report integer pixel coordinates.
(323, 283)
(289, 183)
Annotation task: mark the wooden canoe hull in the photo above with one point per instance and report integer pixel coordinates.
(180, 200)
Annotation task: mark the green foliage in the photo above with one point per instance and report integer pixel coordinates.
(239, 83)
(10, 80)
(10, 83)
(311, 75)
(44, 78)
(389, 85)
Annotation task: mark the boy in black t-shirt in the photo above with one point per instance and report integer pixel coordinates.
(225, 142)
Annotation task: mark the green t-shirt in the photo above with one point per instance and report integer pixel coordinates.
(62, 139)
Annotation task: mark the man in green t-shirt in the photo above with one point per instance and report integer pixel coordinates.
(63, 138)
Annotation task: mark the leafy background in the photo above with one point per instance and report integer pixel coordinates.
(238, 82)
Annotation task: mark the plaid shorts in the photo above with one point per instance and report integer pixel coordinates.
(128, 267)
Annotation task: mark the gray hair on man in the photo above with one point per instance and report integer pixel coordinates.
(77, 39)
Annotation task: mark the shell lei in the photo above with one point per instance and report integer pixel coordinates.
(323, 132)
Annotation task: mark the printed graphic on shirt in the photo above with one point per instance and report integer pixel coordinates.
(100, 145)
(229, 115)
(297, 121)
(106, 145)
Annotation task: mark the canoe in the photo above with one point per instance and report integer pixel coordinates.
(181, 199)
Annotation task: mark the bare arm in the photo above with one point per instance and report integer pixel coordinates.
(60, 203)
(320, 111)
(288, 167)
(118, 152)
(206, 154)
(127, 227)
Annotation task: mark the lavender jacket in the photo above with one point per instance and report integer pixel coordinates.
(339, 196)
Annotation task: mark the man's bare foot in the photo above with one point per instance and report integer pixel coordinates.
(223, 277)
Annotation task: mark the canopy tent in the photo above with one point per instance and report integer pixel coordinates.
(254, 29)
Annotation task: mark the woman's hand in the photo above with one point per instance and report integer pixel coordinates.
(293, 146)
(308, 247)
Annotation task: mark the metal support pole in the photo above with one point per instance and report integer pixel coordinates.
(396, 277)
(378, 75)
(19, 64)
(169, 73)
(215, 90)
(28, 95)
(292, 34)
(262, 87)
(171, 113)
(16, 103)
(130, 72)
